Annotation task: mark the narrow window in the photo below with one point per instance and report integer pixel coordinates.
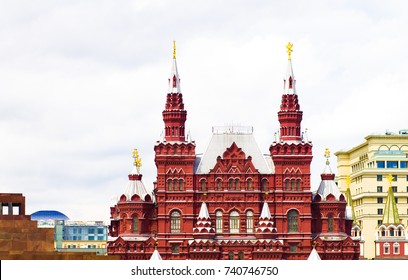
(236, 184)
(234, 222)
(386, 249)
(180, 185)
(240, 255)
(175, 222)
(231, 255)
(249, 181)
(396, 248)
(135, 224)
(330, 223)
(250, 221)
(169, 185)
(293, 221)
(219, 184)
(218, 221)
(202, 185)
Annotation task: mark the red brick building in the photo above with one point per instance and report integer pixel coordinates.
(233, 201)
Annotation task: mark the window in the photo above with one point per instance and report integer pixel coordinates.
(403, 164)
(175, 185)
(100, 230)
(379, 177)
(298, 185)
(219, 184)
(392, 164)
(287, 185)
(135, 224)
(379, 222)
(394, 189)
(175, 222)
(240, 255)
(91, 231)
(249, 181)
(169, 185)
(174, 249)
(394, 178)
(230, 181)
(234, 222)
(293, 221)
(250, 221)
(100, 238)
(236, 184)
(379, 188)
(396, 199)
(91, 237)
(386, 248)
(231, 255)
(218, 221)
(330, 223)
(180, 185)
(379, 211)
(264, 185)
(396, 248)
(202, 183)
(379, 200)
(380, 164)
(293, 248)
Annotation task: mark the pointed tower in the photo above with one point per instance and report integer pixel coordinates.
(174, 159)
(203, 228)
(132, 218)
(174, 115)
(265, 227)
(391, 241)
(329, 219)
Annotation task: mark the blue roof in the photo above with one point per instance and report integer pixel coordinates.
(48, 215)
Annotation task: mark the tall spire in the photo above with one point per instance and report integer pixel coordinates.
(290, 116)
(174, 80)
(289, 84)
(174, 115)
(391, 215)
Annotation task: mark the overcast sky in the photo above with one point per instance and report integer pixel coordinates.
(82, 83)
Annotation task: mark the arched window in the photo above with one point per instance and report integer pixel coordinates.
(169, 188)
(292, 182)
(249, 183)
(234, 222)
(219, 184)
(392, 232)
(175, 222)
(231, 255)
(231, 182)
(175, 184)
(264, 185)
(396, 248)
(330, 223)
(218, 221)
(386, 248)
(236, 184)
(293, 221)
(287, 185)
(180, 185)
(250, 221)
(298, 185)
(202, 183)
(135, 223)
(240, 255)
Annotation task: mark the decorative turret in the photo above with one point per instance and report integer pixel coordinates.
(135, 185)
(328, 190)
(203, 228)
(391, 216)
(265, 225)
(174, 115)
(290, 116)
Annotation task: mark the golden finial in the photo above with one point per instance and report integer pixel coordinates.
(289, 48)
(137, 160)
(327, 155)
(174, 49)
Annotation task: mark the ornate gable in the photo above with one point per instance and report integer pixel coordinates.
(234, 161)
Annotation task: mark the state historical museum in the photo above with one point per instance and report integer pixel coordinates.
(233, 201)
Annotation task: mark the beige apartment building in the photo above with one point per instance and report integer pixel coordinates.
(368, 165)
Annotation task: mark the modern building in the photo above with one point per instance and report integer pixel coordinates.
(368, 165)
(79, 236)
(233, 201)
(47, 218)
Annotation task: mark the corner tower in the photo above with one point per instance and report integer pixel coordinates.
(174, 158)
